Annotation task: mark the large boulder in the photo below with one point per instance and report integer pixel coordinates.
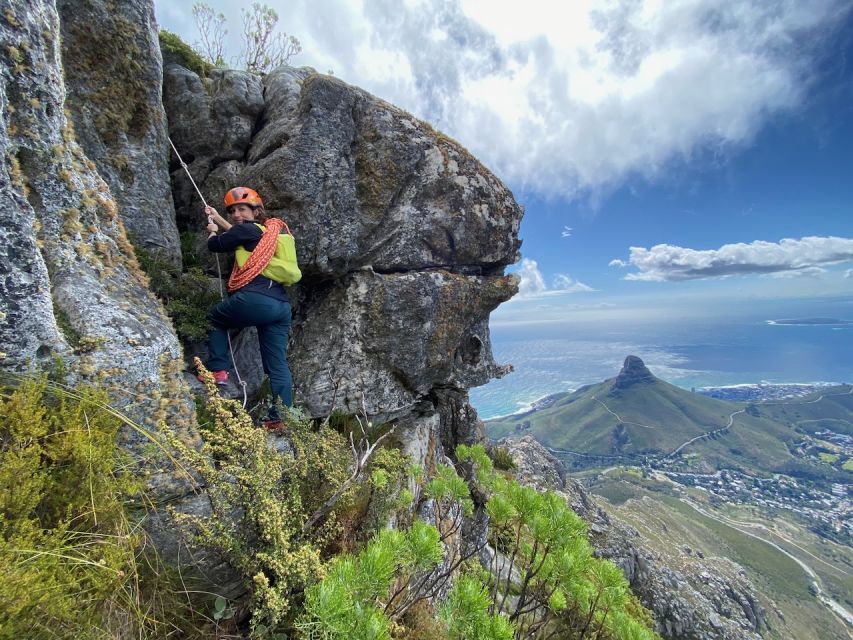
(402, 235)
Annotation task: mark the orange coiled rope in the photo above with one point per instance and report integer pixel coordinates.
(259, 258)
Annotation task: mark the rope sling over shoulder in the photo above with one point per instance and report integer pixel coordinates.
(274, 256)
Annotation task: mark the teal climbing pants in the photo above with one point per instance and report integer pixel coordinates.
(272, 319)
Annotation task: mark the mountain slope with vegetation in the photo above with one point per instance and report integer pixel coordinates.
(636, 418)
(776, 550)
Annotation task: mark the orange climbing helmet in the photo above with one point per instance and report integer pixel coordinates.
(243, 195)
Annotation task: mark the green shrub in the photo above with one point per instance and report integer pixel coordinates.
(561, 589)
(347, 603)
(71, 559)
(266, 502)
(176, 50)
(187, 295)
(466, 613)
(502, 459)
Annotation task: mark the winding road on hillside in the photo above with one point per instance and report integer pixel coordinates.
(732, 417)
(835, 608)
(619, 418)
(674, 452)
(706, 435)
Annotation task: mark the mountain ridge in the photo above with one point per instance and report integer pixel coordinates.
(639, 417)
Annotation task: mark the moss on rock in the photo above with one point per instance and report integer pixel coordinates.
(179, 52)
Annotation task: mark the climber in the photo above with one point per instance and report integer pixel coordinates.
(265, 261)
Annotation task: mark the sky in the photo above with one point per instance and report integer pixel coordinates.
(689, 154)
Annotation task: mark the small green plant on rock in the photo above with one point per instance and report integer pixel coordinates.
(502, 459)
(176, 50)
(187, 295)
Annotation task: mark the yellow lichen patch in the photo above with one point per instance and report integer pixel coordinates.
(84, 251)
(104, 250)
(11, 18)
(14, 53)
(108, 206)
(88, 200)
(19, 179)
(174, 396)
(69, 179)
(86, 366)
(88, 344)
(71, 227)
(68, 133)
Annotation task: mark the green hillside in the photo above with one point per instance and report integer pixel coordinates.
(636, 415)
(831, 409)
(670, 525)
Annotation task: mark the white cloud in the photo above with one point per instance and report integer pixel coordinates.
(805, 272)
(532, 284)
(848, 273)
(566, 232)
(566, 284)
(583, 94)
(665, 262)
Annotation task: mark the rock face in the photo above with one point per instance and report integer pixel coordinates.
(703, 599)
(72, 288)
(633, 372)
(113, 76)
(402, 236)
(71, 291)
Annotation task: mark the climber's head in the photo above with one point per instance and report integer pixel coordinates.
(244, 204)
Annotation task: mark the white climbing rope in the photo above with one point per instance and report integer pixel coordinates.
(218, 271)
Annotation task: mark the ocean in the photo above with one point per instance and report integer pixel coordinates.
(750, 349)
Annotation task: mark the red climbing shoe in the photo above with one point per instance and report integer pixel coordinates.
(219, 377)
(273, 425)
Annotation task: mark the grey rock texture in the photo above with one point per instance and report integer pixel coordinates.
(113, 77)
(71, 289)
(691, 598)
(402, 236)
(211, 122)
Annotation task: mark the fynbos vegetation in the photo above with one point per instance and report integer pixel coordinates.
(279, 517)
